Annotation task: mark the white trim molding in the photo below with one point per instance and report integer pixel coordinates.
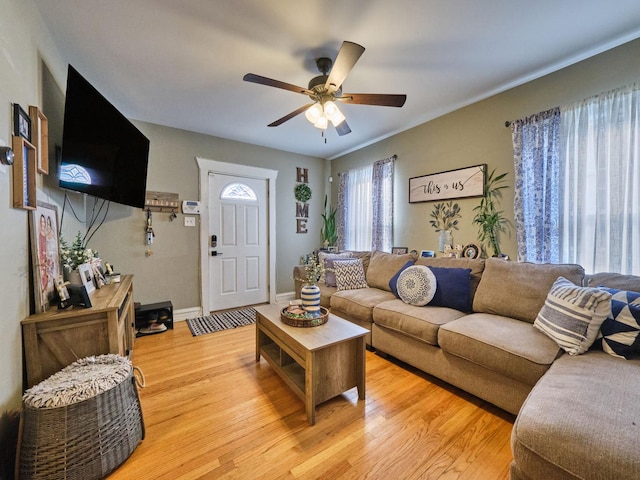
(206, 166)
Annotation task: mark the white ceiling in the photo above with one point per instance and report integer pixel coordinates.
(180, 63)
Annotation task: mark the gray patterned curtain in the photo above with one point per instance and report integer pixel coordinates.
(343, 204)
(536, 147)
(382, 203)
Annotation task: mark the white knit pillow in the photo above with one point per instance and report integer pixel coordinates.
(417, 285)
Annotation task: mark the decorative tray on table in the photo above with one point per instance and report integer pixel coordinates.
(296, 316)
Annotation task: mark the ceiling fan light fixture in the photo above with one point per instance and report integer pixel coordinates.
(314, 112)
(333, 113)
(322, 122)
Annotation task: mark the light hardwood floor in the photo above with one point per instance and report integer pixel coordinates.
(212, 412)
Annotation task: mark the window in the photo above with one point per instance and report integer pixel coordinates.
(577, 183)
(365, 207)
(238, 191)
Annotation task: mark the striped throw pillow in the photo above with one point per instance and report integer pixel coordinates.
(572, 315)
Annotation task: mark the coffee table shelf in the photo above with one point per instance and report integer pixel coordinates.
(317, 363)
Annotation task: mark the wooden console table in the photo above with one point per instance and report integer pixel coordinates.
(56, 338)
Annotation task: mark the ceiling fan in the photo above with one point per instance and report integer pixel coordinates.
(326, 89)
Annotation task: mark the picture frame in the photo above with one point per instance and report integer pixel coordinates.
(21, 122)
(332, 249)
(427, 253)
(400, 250)
(45, 253)
(86, 276)
(24, 173)
(459, 183)
(40, 138)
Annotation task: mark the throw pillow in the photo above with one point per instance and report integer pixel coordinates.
(572, 315)
(393, 283)
(454, 288)
(326, 260)
(417, 285)
(349, 274)
(620, 332)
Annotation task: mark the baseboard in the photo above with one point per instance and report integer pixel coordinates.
(185, 313)
(285, 297)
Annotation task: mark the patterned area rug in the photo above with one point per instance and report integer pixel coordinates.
(221, 321)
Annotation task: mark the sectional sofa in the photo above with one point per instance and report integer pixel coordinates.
(578, 416)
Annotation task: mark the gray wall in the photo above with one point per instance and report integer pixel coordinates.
(173, 271)
(472, 135)
(476, 134)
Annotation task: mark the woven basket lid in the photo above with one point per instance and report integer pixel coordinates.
(82, 380)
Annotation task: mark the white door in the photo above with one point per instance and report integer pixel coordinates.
(238, 248)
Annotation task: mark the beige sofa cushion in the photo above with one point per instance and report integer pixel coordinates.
(421, 323)
(476, 265)
(383, 266)
(582, 420)
(519, 290)
(506, 346)
(614, 280)
(358, 304)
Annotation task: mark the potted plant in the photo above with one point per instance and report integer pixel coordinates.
(329, 232)
(445, 217)
(489, 219)
(74, 255)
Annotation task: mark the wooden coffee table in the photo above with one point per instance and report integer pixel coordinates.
(317, 363)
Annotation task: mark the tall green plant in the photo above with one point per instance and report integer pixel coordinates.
(489, 219)
(329, 232)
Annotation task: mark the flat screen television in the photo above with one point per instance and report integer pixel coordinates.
(103, 153)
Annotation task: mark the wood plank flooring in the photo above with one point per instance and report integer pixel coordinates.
(212, 412)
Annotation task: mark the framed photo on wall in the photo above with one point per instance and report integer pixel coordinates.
(45, 257)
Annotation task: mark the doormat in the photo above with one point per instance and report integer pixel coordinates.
(221, 321)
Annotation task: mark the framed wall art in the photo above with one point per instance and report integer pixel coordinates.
(24, 173)
(43, 228)
(460, 183)
(21, 122)
(40, 138)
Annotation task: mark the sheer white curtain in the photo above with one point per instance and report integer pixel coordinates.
(358, 219)
(600, 182)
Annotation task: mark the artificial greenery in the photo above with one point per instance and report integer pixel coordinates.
(76, 254)
(313, 270)
(444, 216)
(303, 192)
(329, 232)
(489, 219)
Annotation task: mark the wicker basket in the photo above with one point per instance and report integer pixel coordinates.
(84, 440)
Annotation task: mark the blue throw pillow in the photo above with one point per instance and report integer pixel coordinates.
(453, 288)
(393, 283)
(620, 332)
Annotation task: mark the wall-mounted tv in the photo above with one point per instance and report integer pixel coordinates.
(103, 153)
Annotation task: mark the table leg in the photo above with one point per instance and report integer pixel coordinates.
(309, 390)
(361, 368)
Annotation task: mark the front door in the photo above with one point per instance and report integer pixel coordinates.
(238, 249)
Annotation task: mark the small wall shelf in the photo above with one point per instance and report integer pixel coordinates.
(25, 164)
(162, 202)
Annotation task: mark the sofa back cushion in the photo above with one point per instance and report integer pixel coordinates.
(475, 264)
(383, 266)
(613, 280)
(519, 289)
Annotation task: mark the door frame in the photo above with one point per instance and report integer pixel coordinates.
(207, 166)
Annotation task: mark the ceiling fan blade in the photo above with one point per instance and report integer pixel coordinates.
(289, 116)
(345, 60)
(253, 78)
(379, 99)
(343, 128)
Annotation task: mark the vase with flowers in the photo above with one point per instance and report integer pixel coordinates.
(74, 255)
(310, 292)
(445, 217)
